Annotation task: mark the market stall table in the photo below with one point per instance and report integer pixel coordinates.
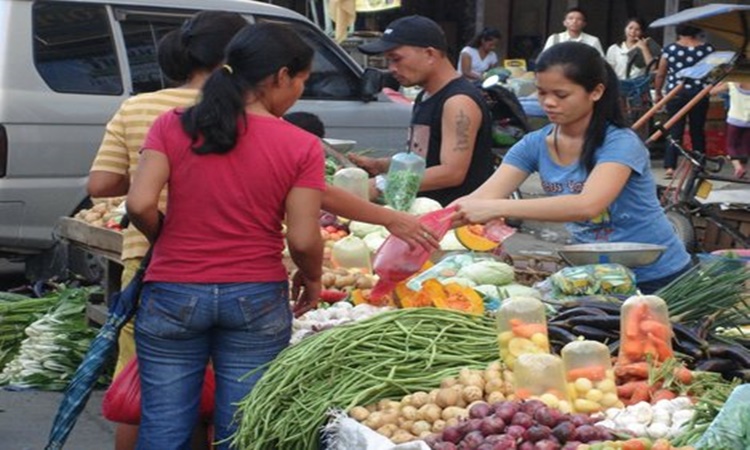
(103, 242)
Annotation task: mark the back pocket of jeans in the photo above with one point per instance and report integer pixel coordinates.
(165, 312)
(268, 313)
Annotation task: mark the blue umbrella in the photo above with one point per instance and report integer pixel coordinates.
(121, 309)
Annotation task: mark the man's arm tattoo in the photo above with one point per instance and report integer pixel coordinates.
(462, 132)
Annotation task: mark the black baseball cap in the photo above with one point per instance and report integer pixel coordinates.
(417, 31)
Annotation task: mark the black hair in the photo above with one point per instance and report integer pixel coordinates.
(577, 10)
(687, 30)
(257, 52)
(307, 121)
(485, 35)
(584, 66)
(640, 23)
(198, 44)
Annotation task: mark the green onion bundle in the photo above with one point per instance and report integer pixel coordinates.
(387, 356)
(16, 313)
(55, 345)
(712, 291)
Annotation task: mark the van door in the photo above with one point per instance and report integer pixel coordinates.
(333, 93)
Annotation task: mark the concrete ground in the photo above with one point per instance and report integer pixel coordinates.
(26, 416)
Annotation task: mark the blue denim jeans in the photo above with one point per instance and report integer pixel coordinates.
(179, 328)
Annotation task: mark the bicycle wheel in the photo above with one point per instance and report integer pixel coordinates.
(683, 227)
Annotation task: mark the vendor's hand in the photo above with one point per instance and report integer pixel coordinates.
(475, 211)
(642, 43)
(371, 165)
(372, 190)
(408, 228)
(305, 292)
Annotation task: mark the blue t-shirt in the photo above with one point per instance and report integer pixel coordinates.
(634, 216)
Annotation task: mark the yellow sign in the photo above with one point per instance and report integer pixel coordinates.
(515, 64)
(377, 5)
(704, 189)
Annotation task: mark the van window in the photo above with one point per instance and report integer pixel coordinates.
(141, 37)
(74, 51)
(331, 77)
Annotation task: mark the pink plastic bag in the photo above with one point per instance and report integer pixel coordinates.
(395, 261)
(122, 401)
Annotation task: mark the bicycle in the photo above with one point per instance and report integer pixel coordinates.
(681, 199)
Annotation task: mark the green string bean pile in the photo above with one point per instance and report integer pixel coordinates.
(387, 356)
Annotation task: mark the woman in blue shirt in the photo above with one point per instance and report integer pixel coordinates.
(595, 170)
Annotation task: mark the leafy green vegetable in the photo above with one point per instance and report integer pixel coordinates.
(402, 189)
(488, 272)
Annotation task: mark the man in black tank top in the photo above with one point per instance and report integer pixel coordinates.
(450, 124)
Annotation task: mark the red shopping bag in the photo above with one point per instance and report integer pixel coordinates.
(122, 401)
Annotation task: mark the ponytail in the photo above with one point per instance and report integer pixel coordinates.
(256, 53)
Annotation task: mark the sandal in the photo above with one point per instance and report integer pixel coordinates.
(740, 173)
(669, 174)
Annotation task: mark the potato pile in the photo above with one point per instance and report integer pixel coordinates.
(106, 212)
(420, 414)
(345, 280)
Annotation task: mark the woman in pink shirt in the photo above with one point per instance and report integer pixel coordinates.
(216, 288)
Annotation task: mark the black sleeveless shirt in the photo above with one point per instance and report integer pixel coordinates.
(425, 137)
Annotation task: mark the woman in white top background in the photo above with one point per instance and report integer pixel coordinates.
(479, 56)
(632, 57)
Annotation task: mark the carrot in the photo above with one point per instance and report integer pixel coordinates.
(656, 328)
(640, 394)
(632, 326)
(683, 375)
(662, 348)
(522, 393)
(626, 390)
(593, 373)
(662, 394)
(638, 370)
(529, 329)
(632, 348)
(650, 349)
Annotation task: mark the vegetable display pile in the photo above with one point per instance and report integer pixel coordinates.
(55, 345)
(386, 356)
(16, 313)
(713, 298)
(522, 425)
(420, 414)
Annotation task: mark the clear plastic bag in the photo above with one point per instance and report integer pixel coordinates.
(404, 178)
(731, 427)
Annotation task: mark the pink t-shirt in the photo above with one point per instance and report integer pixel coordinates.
(224, 212)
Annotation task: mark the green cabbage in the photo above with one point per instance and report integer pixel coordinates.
(488, 272)
(362, 229)
(424, 205)
(518, 290)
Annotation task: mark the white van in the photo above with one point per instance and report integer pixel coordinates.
(66, 66)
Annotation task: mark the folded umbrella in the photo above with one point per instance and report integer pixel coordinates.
(121, 309)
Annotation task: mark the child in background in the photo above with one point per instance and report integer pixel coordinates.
(738, 125)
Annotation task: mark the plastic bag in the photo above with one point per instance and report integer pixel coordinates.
(594, 279)
(395, 261)
(731, 427)
(122, 401)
